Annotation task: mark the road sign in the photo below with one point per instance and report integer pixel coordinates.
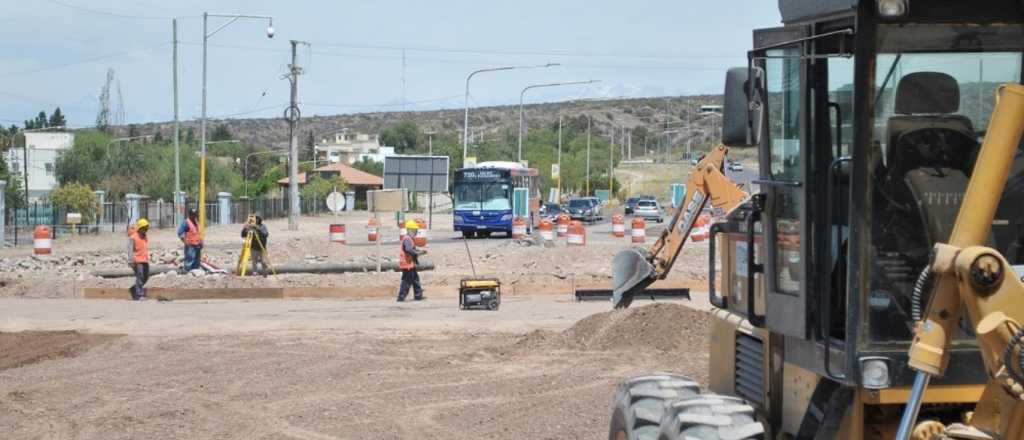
(336, 202)
(555, 171)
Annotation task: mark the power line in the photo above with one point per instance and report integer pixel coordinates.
(82, 61)
(523, 52)
(112, 14)
(392, 104)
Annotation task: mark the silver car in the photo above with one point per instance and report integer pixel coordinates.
(648, 210)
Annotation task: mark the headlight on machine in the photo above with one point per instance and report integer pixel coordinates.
(874, 373)
(458, 219)
(506, 217)
(893, 8)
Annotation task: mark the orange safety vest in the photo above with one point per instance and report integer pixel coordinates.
(140, 248)
(405, 261)
(192, 237)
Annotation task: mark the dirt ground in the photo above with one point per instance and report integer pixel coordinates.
(260, 370)
(68, 271)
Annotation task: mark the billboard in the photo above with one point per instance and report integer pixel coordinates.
(416, 173)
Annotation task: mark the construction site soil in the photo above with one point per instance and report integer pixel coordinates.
(373, 383)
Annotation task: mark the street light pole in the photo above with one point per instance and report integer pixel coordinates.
(178, 199)
(537, 86)
(465, 121)
(202, 120)
(588, 154)
(559, 154)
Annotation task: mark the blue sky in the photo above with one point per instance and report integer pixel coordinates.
(56, 52)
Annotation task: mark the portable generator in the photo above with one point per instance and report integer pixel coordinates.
(480, 293)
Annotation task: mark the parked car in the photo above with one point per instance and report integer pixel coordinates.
(550, 210)
(583, 209)
(735, 166)
(597, 207)
(631, 202)
(649, 210)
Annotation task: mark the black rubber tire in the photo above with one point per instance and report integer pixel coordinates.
(640, 402)
(468, 234)
(710, 417)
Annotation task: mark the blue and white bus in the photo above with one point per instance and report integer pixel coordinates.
(483, 197)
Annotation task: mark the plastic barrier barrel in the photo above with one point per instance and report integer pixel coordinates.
(42, 241)
(701, 228)
(562, 224)
(618, 226)
(577, 234)
(421, 235)
(547, 230)
(518, 227)
(337, 234)
(638, 233)
(372, 229)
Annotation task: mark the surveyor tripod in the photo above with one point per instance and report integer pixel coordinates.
(247, 254)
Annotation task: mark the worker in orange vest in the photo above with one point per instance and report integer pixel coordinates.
(188, 233)
(407, 259)
(138, 258)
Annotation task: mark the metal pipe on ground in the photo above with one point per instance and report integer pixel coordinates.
(283, 269)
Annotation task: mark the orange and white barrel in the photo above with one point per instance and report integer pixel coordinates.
(547, 230)
(42, 241)
(618, 226)
(372, 229)
(518, 227)
(337, 233)
(701, 228)
(562, 224)
(421, 234)
(638, 231)
(577, 234)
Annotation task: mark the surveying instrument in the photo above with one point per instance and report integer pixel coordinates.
(247, 250)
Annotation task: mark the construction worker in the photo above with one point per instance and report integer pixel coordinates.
(407, 259)
(188, 233)
(138, 258)
(258, 245)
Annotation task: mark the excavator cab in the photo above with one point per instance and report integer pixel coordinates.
(869, 116)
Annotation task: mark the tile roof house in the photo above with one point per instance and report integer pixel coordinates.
(358, 181)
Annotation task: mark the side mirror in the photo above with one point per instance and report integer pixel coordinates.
(743, 109)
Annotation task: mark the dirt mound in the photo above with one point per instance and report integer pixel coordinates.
(23, 348)
(658, 326)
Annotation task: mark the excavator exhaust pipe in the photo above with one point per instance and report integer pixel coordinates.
(632, 272)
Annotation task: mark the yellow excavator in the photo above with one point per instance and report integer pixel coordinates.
(636, 268)
(871, 288)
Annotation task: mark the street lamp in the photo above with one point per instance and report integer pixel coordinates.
(245, 173)
(465, 122)
(202, 121)
(537, 86)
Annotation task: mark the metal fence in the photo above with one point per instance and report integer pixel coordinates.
(115, 216)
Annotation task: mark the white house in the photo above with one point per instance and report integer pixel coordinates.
(348, 147)
(42, 149)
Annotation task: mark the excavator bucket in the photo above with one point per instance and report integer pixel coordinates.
(632, 272)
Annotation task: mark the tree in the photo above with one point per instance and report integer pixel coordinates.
(41, 120)
(15, 198)
(405, 136)
(158, 137)
(221, 133)
(57, 118)
(317, 188)
(308, 152)
(370, 166)
(133, 130)
(76, 197)
(190, 136)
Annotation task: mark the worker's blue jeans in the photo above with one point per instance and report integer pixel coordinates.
(410, 278)
(141, 272)
(191, 260)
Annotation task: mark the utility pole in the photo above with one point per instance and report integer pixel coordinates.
(611, 161)
(559, 155)
(293, 114)
(589, 120)
(178, 199)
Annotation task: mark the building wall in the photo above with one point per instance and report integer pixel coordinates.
(42, 149)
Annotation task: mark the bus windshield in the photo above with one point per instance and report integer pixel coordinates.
(482, 196)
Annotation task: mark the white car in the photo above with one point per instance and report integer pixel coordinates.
(648, 210)
(735, 166)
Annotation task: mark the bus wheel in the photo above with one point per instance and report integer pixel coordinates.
(468, 234)
(484, 234)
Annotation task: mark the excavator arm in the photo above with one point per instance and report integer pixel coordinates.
(977, 280)
(635, 269)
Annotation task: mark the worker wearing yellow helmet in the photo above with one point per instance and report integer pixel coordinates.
(407, 260)
(138, 258)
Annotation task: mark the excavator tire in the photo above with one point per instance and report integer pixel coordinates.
(641, 401)
(710, 417)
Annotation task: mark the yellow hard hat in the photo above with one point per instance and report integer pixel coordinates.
(143, 223)
(411, 224)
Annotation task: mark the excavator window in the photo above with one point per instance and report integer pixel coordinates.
(933, 99)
